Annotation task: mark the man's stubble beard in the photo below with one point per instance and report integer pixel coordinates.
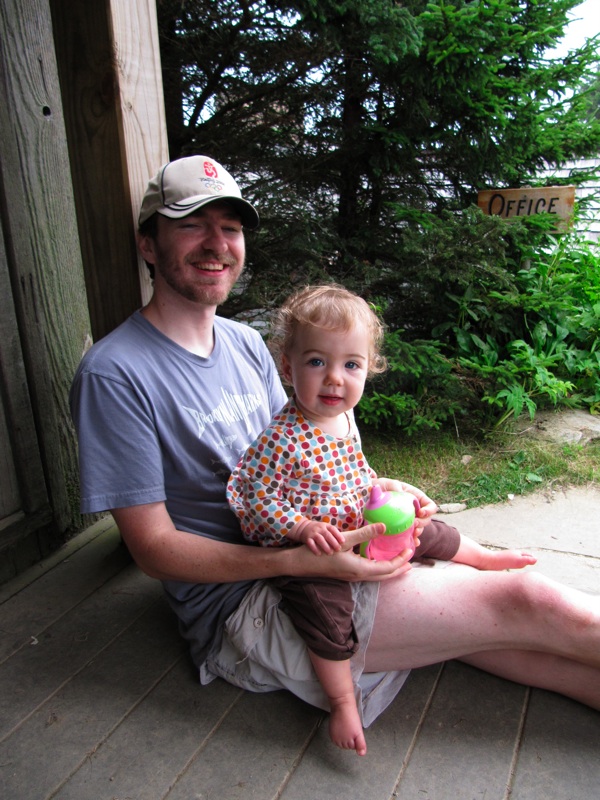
(204, 293)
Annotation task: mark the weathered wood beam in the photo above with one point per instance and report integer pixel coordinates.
(109, 67)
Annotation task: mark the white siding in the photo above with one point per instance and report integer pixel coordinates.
(590, 188)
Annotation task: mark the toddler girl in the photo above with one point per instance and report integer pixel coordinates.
(305, 481)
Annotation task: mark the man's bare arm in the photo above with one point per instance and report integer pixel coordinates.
(166, 553)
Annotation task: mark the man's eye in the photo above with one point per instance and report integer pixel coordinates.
(192, 225)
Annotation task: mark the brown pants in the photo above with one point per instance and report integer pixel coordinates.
(321, 609)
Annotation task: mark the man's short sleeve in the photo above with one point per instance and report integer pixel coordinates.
(119, 453)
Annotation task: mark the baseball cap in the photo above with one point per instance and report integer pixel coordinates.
(186, 184)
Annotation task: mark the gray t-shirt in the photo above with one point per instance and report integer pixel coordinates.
(158, 423)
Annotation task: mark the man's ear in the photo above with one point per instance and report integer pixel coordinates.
(145, 245)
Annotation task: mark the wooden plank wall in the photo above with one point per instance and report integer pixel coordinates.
(42, 243)
(82, 128)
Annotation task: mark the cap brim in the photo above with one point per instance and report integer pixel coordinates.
(248, 214)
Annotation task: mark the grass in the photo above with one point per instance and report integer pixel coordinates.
(483, 470)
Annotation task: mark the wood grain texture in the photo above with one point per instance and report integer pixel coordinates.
(42, 243)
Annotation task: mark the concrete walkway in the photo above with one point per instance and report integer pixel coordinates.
(98, 700)
(561, 528)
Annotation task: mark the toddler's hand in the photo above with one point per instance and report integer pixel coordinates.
(320, 537)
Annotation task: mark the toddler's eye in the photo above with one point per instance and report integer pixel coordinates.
(316, 362)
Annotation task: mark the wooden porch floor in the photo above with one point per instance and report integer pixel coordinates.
(99, 701)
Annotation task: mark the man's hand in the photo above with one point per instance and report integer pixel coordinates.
(347, 565)
(364, 534)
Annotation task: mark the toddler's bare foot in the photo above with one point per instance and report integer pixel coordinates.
(505, 559)
(345, 727)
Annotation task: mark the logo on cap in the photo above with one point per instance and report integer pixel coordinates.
(210, 170)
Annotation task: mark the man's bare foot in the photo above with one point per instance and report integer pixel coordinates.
(505, 559)
(345, 728)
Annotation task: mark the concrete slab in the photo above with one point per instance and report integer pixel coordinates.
(561, 528)
(564, 520)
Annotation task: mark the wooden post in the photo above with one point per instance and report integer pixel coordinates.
(144, 130)
(109, 66)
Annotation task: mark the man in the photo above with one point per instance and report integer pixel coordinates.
(165, 405)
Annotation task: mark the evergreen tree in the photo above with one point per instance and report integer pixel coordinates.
(363, 130)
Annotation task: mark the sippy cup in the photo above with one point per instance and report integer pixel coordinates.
(397, 510)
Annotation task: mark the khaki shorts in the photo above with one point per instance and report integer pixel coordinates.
(261, 651)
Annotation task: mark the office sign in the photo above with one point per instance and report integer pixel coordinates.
(518, 203)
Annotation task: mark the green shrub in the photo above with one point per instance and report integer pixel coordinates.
(530, 340)
(420, 390)
(553, 355)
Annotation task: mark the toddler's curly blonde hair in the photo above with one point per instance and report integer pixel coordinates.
(332, 308)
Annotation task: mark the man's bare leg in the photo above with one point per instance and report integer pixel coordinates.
(544, 671)
(489, 619)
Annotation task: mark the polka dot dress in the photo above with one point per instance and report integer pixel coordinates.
(293, 470)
